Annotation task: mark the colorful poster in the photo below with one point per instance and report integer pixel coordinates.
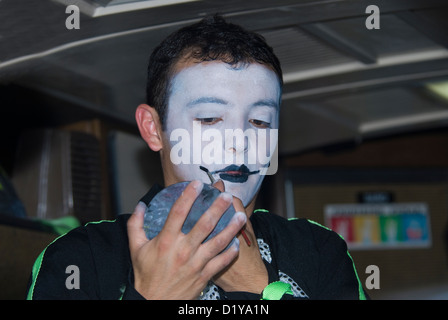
(366, 229)
(343, 226)
(379, 226)
(391, 228)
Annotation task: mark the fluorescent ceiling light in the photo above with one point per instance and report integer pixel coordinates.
(439, 88)
(95, 9)
(372, 126)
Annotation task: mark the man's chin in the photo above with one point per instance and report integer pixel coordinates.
(239, 191)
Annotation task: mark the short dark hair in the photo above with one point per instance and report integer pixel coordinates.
(210, 39)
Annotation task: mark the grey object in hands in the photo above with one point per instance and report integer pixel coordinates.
(159, 207)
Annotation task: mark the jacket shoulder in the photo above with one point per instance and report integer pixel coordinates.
(86, 250)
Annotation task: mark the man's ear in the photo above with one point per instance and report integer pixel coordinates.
(149, 125)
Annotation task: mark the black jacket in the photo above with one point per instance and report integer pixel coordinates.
(311, 258)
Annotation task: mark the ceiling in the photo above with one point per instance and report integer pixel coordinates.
(343, 82)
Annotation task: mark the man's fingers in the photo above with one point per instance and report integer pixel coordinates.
(136, 234)
(221, 261)
(181, 208)
(214, 262)
(218, 243)
(207, 222)
(237, 203)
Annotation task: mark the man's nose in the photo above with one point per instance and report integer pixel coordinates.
(237, 144)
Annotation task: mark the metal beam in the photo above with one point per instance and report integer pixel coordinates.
(338, 41)
(367, 78)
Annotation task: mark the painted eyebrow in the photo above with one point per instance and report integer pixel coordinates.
(202, 100)
(266, 102)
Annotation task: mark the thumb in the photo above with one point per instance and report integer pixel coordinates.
(136, 234)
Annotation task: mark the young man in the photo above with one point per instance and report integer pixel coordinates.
(217, 79)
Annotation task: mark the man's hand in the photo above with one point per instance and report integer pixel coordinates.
(174, 265)
(247, 272)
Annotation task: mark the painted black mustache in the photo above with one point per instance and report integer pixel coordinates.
(234, 173)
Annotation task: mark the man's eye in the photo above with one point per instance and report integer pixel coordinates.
(260, 124)
(208, 121)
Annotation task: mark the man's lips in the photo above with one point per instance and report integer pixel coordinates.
(234, 173)
(234, 169)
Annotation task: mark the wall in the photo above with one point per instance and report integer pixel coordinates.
(414, 168)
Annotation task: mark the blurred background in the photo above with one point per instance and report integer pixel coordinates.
(363, 133)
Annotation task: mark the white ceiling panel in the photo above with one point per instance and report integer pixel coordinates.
(342, 81)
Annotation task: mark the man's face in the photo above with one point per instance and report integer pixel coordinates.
(222, 118)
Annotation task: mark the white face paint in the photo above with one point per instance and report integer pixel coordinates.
(211, 99)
